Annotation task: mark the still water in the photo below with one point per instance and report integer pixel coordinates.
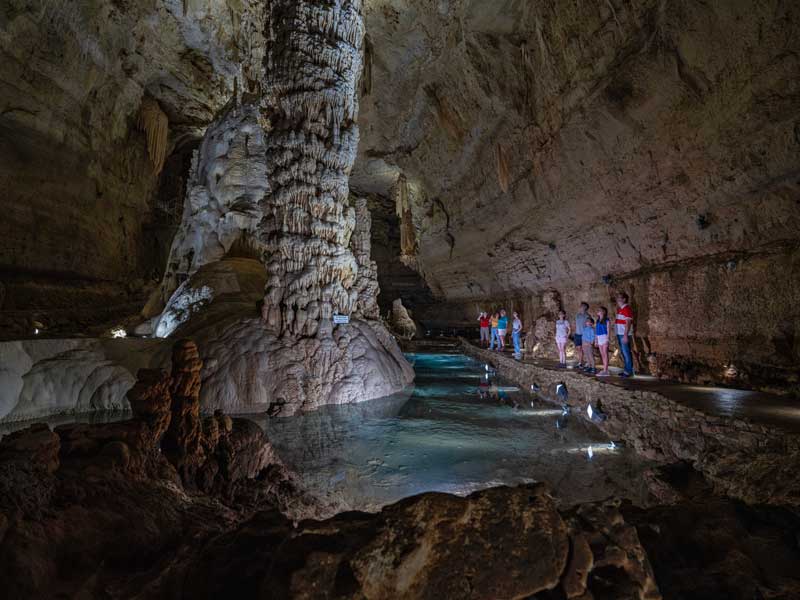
(458, 430)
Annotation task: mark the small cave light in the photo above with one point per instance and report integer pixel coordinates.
(119, 332)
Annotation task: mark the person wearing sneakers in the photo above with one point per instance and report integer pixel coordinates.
(483, 321)
(580, 322)
(502, 327)
(516, 334)
(562, 334)
(601, 339)
(587, 336)
(624, 326)
(493, 322)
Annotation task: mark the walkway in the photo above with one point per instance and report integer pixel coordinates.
(759, 407)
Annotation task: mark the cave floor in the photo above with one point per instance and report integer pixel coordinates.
(756, 406)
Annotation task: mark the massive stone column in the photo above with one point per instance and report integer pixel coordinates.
(313, 63)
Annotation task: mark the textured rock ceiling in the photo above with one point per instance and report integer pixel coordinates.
(555, 142)
(548, 147)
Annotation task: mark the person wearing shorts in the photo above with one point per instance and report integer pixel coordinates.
(493, 329)
(562, 335)
(580, 320)
(601, 329)
(502, 327)
(484, 323)
(588, 337)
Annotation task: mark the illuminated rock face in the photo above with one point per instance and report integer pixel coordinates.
(313, 63)
(585, 148)
(226, 187)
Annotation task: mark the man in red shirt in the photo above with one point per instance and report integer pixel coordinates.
(483, 319)
(624, 326)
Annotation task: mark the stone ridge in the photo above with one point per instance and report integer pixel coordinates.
(750, 461)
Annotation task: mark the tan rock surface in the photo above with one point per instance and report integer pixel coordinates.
(556, 143)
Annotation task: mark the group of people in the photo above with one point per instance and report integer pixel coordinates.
(593, 333)
(589, 333)
(494, 330)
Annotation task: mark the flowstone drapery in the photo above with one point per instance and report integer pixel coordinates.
(226, 187)
(312, 64)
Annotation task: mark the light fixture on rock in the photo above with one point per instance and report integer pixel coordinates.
(595, 413)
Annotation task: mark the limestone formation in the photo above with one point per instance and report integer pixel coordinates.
(366, 284)
(312, 68)
(225, 190)
(401, 321)
(43, 377)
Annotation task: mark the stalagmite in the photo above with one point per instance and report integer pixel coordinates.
(313, 64)
(366, 285)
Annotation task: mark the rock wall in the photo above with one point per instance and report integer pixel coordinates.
(559, 143)
(79, 181)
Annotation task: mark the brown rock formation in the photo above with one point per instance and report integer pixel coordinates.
(499, 543)
(183, 442)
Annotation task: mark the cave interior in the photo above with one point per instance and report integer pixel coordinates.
(245, 252)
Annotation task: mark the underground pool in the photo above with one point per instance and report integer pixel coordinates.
(461, 428)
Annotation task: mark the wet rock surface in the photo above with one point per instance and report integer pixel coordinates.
(751, 461)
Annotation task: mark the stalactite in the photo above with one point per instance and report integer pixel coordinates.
(503, 174)
(155, 124)
(366, 78)
(408, 238)
(313, 63)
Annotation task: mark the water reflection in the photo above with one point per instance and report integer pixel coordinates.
(456, 431)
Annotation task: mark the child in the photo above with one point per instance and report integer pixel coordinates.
(587, 338)
(602, 339)
(562, 335)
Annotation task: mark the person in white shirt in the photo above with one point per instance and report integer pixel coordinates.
(516, 333)
(562, 335)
